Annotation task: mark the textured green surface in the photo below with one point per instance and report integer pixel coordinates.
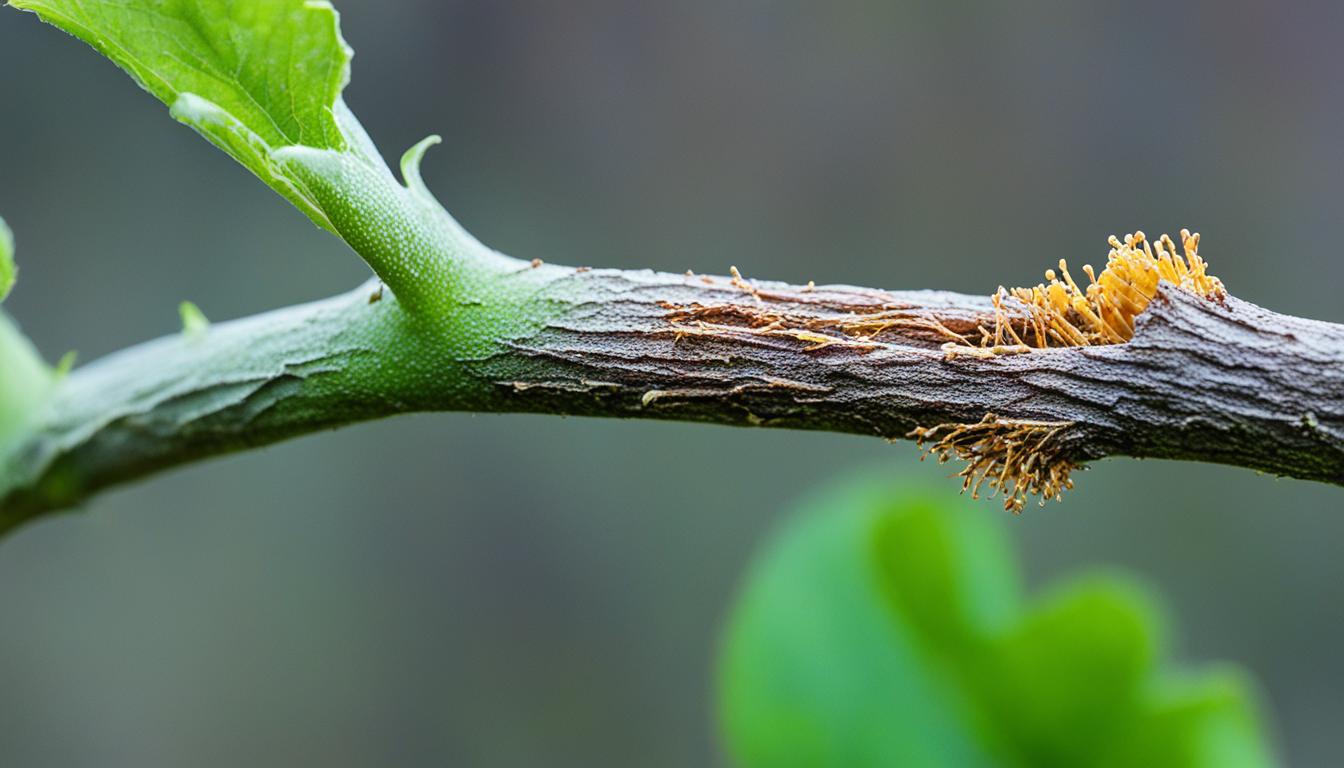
(262, 79)
(275, 66)
(887, 627)
(251, 76)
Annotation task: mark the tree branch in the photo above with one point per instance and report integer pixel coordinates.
(1189, 374)
(1209, 380)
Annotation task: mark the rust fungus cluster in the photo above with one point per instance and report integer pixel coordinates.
(1062, 313)
(1013, 457)
(1024, 458)
(1016, 458)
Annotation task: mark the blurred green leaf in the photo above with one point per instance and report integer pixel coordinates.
(1069, 675)
(252, 76)
(886, 627)
(7, 270)
(1205, 721)
(24, 378)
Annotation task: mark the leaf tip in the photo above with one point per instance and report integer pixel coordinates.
(65, 365)
(194, 322)
(410, 165)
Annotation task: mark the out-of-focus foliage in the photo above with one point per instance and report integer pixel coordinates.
(24, 378)
(7, 270)
(884, 627)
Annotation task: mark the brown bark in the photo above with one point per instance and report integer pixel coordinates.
(1208, 380)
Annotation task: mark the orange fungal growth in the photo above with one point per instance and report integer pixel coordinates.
(1021, 458)
(1062, 313)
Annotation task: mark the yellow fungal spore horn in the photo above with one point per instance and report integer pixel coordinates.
(1066, 314)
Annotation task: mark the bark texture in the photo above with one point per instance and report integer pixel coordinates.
(1208, 380)
(1223, 381)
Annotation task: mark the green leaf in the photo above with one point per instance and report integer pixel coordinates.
(252, 76)
(886, 626)
(262, 80)
(818, 670)
(1069, 676)
(1204, 721)
(8, 272)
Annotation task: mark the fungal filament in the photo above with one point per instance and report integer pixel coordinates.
(1015, 457)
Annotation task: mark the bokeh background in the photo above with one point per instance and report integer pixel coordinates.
(528, 590)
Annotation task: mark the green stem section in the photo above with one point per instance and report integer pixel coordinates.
(1221, 381)
(242, 384)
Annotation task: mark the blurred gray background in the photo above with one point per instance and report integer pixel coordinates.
(526, 590)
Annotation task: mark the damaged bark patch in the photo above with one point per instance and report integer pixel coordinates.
(821, 318)
(1020, 458)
